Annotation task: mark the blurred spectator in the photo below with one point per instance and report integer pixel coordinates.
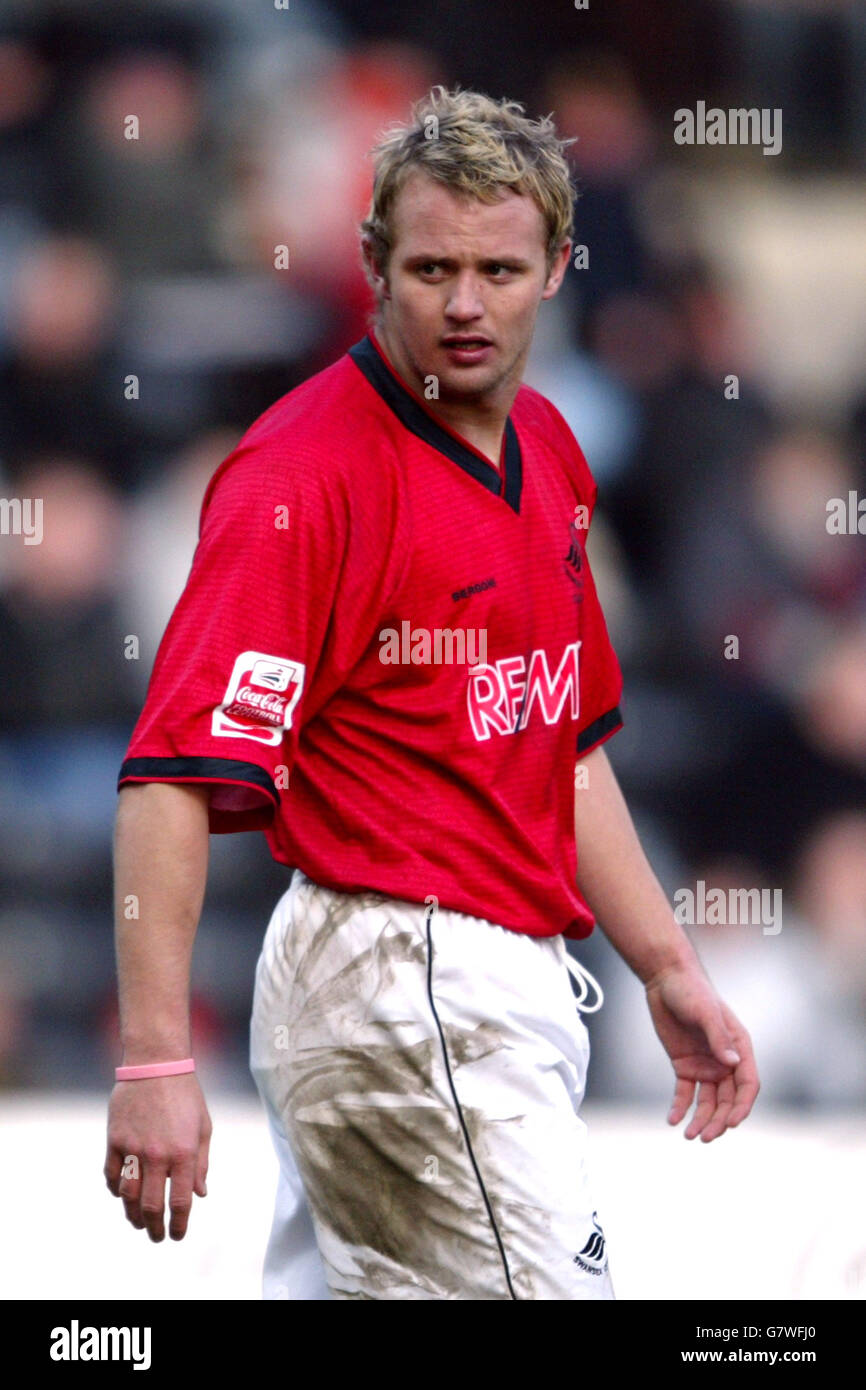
(807, 57)
(13, 1021)
(597, 105)
(764, 615)
(26, 81)
(61, 389)
(308, 179)
(601, 411)
(755, 559)
(832, 889)
(61, 632)
(162, 533)
(141, 172)
(676, 348)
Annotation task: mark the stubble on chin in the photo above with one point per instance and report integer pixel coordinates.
(454, 388)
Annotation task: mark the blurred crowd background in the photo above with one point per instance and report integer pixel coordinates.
(153, 258)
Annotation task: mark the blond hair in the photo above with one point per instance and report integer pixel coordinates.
(477, 147)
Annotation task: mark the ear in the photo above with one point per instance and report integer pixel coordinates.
(557, 270)
(377, 279)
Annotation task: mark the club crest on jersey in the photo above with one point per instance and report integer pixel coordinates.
(574, 560)
(501, 697)
(260, 698)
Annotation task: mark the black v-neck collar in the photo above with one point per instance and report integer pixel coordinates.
(420, 422)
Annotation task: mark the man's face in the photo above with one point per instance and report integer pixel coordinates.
(463, 286)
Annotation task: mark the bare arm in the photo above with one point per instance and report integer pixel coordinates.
(158, 1129)
(705, 1041)
(617, 881)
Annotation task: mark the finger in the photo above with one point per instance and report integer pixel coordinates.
(720, 1036)
(201, 1167)
(718, 1121)
(112, 1169)
(129, 1190)
(746, 1074)
(703, 1110)
(132, 1211)
(180, 1196)
(748, 1086)
(683, 1096)
(153, 1197)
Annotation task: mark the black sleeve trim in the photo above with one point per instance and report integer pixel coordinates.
(198, 770)
(599, 729)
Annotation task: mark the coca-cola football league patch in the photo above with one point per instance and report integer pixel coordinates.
(260, 698)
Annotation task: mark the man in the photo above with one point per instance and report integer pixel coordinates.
(414, 1034)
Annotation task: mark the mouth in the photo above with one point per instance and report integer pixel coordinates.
(468, 347)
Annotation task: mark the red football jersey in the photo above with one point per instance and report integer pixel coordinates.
(390, 656)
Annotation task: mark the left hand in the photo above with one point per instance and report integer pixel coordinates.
(708, 1047)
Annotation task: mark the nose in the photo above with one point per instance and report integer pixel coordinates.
(465, 303)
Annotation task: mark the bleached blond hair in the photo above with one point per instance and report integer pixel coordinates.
(476, 146)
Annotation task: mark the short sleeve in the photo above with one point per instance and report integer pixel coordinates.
(283, 595)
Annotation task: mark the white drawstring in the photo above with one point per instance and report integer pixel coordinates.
(582, 975)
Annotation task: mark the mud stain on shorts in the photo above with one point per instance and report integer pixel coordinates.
(372, 1121)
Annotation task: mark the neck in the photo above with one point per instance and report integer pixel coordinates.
(480, 420)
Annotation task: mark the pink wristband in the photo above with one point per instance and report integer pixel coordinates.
(154, 1069)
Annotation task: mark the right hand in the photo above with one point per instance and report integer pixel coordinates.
(163, 1124)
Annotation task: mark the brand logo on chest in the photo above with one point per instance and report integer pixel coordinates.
(504, 695)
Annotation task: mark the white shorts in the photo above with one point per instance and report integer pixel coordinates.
(422, 1072)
